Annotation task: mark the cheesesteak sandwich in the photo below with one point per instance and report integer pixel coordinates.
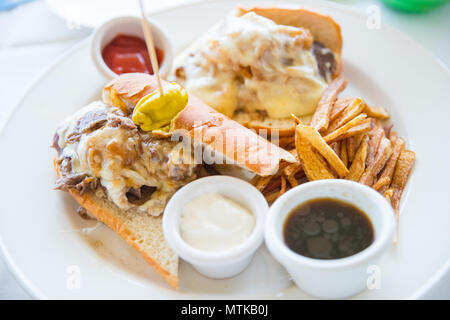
(117, 158)
(260, 65)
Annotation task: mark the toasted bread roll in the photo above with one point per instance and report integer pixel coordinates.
(205, 125)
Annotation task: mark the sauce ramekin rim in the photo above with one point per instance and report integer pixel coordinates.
(193, 255)
(274, 238)
(101, 30)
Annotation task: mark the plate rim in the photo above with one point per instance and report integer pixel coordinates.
(36, 293)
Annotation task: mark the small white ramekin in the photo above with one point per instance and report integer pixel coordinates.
(128, 25)
(222, 264)
(338, 278)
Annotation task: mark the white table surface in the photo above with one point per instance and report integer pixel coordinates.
(25, 55)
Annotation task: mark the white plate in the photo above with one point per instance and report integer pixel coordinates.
(91, 13)
(47, 244)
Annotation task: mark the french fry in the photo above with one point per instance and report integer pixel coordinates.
(313, 164)
(357, 130)
(292, 169)
(316, 140)
(376, 112)
(354, 109)
(402, 171)
(296, 119)
(271, 197)
(336, 146)
(345, 131)
(283, 186)
(339, 106)
(285, 142)
(255, 180)
(353, 144)
(262, 182)
(359, 162)
(376, 134)
(292, 181)
(274, 184)
(321, 117)
(388, 195)
(387, 130)
(343, 154)
(382, 157)
(388, 171)
(393, 135)
(382, 182)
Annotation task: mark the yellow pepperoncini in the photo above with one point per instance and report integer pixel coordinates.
(155, 111)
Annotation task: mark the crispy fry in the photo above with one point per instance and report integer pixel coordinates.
(336, 146)
(382, 182)
(343, 154)
(359, 162)
(376, 134)
(376, 112)
(321, 117)
(271, 197)
(345, 131)
(274, 184)
(255, 180)
(339, 106)
(296, 119)
(292, 168)
(401, 174)
(388, 194)
(358, 130)
(393, 135)
(283, 186)
(292, 181)
(285, 142)
(313, 164)
(353, 144)
(382, 157)
(316, 140)
(387, 130)
(262, 182)
(388, 171)
(354, 109)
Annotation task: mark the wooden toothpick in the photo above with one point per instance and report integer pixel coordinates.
(150, 46)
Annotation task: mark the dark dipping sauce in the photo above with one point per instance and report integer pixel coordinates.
(327, 229)
(126, 53)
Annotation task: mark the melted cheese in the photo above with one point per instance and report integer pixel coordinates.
(121, 159)
(254, 64)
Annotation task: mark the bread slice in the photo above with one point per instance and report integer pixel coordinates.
(141, 231)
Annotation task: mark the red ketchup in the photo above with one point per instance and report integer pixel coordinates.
(127, 53)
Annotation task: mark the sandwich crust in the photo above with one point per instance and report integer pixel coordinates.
(255, 154)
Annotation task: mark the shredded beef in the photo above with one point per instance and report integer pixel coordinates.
(325, 60)
(115, 121)
(81, 182)
(141, 195)
(90, 121)
(55, 143)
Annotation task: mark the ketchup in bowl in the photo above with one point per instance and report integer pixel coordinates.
(126, 53)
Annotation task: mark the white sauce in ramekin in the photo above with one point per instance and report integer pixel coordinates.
(214, 223)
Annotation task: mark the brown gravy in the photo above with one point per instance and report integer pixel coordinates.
(327, 229)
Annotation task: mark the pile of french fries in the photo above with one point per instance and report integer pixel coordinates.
(345, 139)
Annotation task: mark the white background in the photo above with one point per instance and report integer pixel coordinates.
(31, 38)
